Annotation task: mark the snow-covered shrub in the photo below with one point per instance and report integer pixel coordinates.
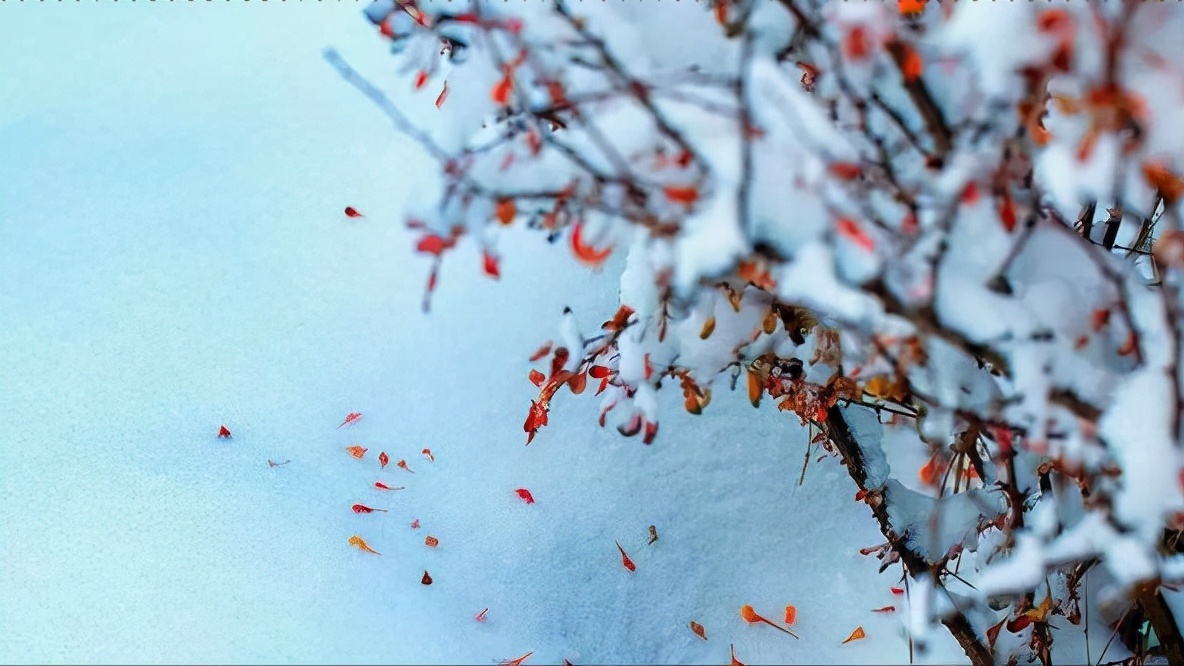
(944, 236)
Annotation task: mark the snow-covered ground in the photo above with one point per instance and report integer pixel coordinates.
(173, 256)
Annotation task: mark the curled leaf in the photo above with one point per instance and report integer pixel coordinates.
(587, 254)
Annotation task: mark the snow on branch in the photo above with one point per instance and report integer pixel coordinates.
(955, 220)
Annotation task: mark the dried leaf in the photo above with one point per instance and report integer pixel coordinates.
(856, 635)
(708, 327)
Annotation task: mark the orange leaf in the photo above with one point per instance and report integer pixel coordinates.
(586, 253)
(931, 471)
(749, 614)
(699, 630)
(431, 542)
(1169, 185)
(682, 195)
(357, 451)
(769, 323)
(755, 390)
(505, 210)
(501, 91)
(910, 64)
(442, 96)
(791, 615)
(735, 661)
(708, 327)
(855, 635)
(910, 6)
(721, 12)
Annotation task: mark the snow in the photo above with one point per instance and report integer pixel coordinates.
(175, 257)
(868, 433)
(1135, 427)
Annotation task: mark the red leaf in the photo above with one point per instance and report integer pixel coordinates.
(1100, 317)
(1018, 624)
(578, 383)
(856, 45)
(525, 495)
(885, 609)
(501, 91)
(896, 590)
(1007, 213)
(421, 79)
(682, 195)
(352, 212)
(599, 372)
(586, 253)
(433, 244)
(491, 265)
(537, 378)
(223, 432)
(558, 361)
(970, 194)
(851, 231)
(443, 96)
(542, 351)
(651, 431)
(845, 170)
